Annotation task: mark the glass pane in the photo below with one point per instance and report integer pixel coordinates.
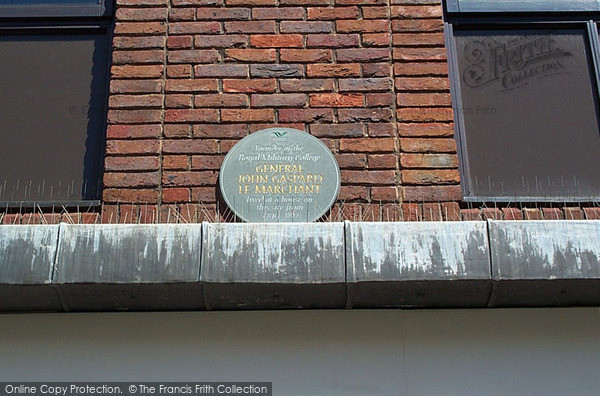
(530, 113)
(52, 112)
(524, 5)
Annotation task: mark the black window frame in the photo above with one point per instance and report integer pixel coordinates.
(63, 19)
(511, 20)
(101, 8)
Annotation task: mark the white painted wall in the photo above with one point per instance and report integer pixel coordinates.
(385, 352)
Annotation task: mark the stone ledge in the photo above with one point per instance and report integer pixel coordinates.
(302, 265)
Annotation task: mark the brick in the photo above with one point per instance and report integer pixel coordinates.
(181, 14)
(221, 70)
(422, 84)
(276, 41)
(381, 130)
(132, 131)
(423, 99)
(332, 13)
(411, 212)
(332, 40)
(331, 70)
(123, 147)
(365, 115)
(194, 28)
(420, 39)
(287, 13)
(337, 130)
(177, 179)
(128, 179)
(305, 115)
(426, 130)
(276, 71)
(190, 146)
(382, 161)
(130, 195)
(432, 193)
(205, 85)
(425, 114)
(361, 26)
(532, 214)
(384, 193)
(144, 42)
(418, 25)
(178, 3)
(421, 69)
(209, 162)
(363, 55)
(351, 160)
(179, 71)
(336, 100)
(512, 214)
(177, 130)
(221, 41)
(133, 116)
(450, 211)
(305, 55)
(250, 27)
(222, 13)
(132, 101)
(191, 115)
(367, 145)
(376, 40)
(247, 115)
(305, 27)
(139, 3)
(204, 194)
(312, 85)
(112, 164)
(175, 162)
(379, 99)
(251, 55)
(137, 71)
(419, 54)
(430, 176)
(376, 69)
(279, 100)
(136, 86)
(428, 145)
(416, 12)
(250, 86)
(174, 195)
(375, 12)
(573, 213)
(193, 56)
(221, 131)
(365, 84)
(552, 214)
(352, 193)
(140, 28)
(180, 42)
(592, 213)
(251, 2)
(429, 160)
(141, 14)
(471, 215)
(178, 101)
(370, 177)
(221, 100)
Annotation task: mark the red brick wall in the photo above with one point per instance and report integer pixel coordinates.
(192, 77)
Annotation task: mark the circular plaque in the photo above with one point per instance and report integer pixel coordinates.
(279, 175)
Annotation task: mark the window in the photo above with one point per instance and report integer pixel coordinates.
(53, 102)
(525, 90)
